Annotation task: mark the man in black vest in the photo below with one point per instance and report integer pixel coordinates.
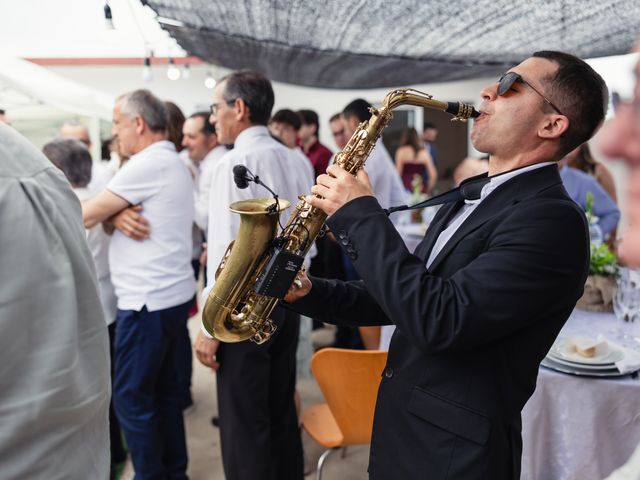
(481, 300)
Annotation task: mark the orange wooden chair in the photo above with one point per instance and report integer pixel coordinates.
(349, 381)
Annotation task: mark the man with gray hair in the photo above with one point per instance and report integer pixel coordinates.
(255, 383)
(99, 176)
(154, 284)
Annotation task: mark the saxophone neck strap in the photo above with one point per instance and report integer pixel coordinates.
(468, 190)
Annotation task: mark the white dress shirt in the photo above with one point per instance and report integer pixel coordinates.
(386, 183)
(98, 242)
(155, 272)
(470, 205)
(279, 167)
(204, 185)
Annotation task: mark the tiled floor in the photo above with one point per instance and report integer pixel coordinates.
(203, 440)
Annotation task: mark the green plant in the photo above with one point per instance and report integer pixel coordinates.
(602, 260)
(588, 208)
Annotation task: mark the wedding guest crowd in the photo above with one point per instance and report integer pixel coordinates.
(128, 281)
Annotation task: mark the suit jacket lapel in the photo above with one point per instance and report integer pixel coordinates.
(506, 195)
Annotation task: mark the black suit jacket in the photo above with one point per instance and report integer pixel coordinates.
(471, 331)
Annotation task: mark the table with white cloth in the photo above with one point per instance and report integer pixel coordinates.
(581, 427)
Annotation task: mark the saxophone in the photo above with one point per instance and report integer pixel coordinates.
(239, 305)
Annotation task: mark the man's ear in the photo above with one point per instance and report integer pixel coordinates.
(212, 141)
(353, 123)
(139, 124)
(241, 109)
(554, 127)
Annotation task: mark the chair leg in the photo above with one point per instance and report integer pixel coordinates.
(321, 460)
(343, 452)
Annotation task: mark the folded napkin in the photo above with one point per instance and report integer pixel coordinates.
(630, 361)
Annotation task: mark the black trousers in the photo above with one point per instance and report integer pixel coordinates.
(118, 454)
(259, 433)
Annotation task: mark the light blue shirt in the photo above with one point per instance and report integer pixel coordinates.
(578, 184)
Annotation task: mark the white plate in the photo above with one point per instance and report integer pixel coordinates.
(603, 356)
(552, 365)
(584, 366)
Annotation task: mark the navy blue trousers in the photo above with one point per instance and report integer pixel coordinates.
(148, 394)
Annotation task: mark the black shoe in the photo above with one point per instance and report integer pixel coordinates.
(215, 421)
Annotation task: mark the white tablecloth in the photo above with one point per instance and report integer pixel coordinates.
(582, 428)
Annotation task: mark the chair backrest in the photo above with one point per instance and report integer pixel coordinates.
(349, 381)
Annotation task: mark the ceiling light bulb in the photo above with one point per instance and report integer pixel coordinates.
(108, 18)
(209, 81)
(147, 77)
(186, 71)
(173, 72)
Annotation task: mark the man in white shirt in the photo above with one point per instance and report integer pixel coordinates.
(201, 142)
(384, 178)
(285, 125)
(255, 382)
(54, 361)
(154, 284)
(100, 175)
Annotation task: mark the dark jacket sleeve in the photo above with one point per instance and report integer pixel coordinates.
(338, 302)
(529, 264)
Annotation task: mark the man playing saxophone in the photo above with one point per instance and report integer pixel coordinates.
(481, 300)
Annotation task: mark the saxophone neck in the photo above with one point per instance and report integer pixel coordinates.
(410, 96)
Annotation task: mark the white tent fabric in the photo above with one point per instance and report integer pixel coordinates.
(54, 90)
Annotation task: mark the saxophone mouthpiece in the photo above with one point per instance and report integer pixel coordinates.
(461, 111)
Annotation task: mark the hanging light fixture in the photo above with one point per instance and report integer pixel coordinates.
(186, 71)
(173, 72)
(108, 18)
(147, 76)
(209, 81)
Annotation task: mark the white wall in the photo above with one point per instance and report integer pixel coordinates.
(191, 94)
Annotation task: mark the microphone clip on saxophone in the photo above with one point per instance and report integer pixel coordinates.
(242, 176)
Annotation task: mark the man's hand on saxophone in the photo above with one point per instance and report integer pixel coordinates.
(300, 287)
(338, 187)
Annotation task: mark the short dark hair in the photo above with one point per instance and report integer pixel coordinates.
(208, 128)
(335, 116)
(288, 117)
(580, 93)
(309, 117)
(358, 108)
(2, 111)
(144, 103)
(254, 89)
(175, 122)
(428, 125)
(72, 157)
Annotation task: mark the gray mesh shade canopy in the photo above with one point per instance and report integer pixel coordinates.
(376, 43)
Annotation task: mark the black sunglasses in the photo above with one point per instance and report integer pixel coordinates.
(506, 81)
